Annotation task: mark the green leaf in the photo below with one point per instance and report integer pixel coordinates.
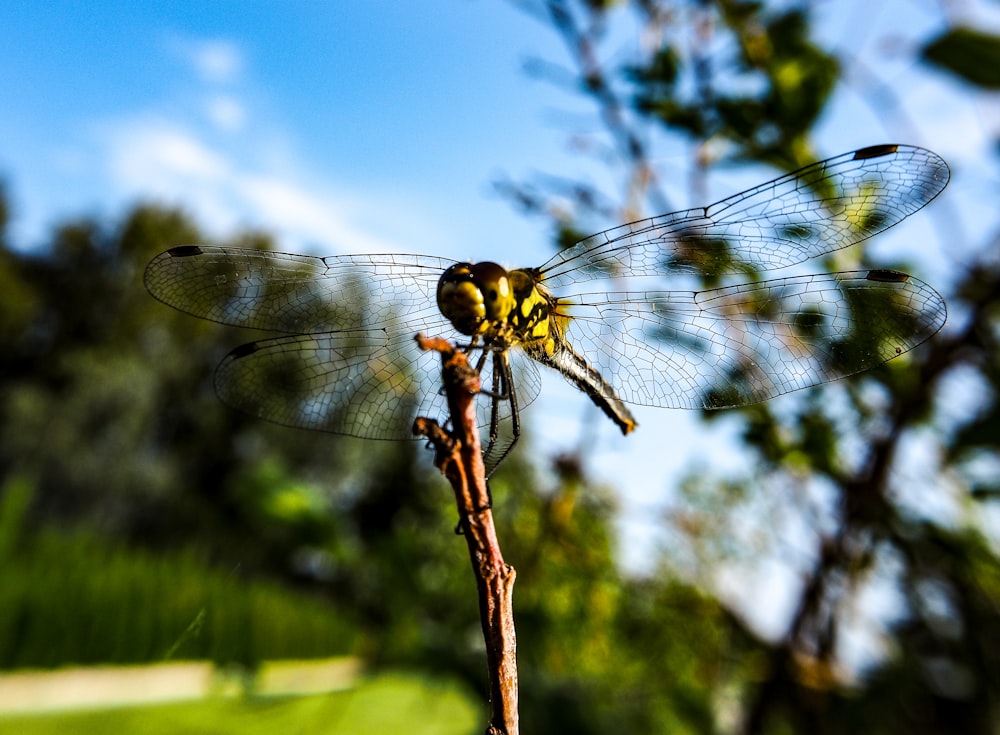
(970, 54)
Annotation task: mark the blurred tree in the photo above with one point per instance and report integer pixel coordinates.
(109, 407)
(602, 651)
(110, 414)
(110, 421)
(834, 494)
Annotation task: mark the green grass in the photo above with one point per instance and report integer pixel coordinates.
(386, 704)
(70, 599)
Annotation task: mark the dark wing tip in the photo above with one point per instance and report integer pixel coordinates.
(185, 251)
(243, 351)
(875, 151)
(884, 275)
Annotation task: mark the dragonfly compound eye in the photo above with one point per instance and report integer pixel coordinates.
(494, 284)
(460, 299)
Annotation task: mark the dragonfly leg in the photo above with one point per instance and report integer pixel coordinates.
(503, 389)
(497, 394)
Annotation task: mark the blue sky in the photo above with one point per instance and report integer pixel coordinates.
(353, 125)
(380, 125)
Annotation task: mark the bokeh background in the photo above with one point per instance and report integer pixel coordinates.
(826, 561)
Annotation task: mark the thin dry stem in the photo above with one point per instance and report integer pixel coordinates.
(458, 454)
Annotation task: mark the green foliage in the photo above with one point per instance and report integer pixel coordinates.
(791, 78)
(597, 651)
(69, 599)
(968, 53)
(109, 409)
(830, 493)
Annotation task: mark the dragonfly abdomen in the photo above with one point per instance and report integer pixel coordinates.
(559, 355)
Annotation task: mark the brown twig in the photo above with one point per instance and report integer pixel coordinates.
(458, 455)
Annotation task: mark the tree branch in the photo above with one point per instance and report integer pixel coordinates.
(459, 456)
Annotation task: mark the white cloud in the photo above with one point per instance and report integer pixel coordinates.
(226, 113)
(216, 61)
(282, 201)
(153, 156)
(153, 151)
(204, 148)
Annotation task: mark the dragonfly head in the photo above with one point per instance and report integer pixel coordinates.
(474, 296)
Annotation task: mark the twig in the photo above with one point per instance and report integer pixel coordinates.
(458, 455)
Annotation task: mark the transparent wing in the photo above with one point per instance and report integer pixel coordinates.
(299, 294)
(365, 383)
(369, 384)
(818, 209)
(743, 344)
(349, 363)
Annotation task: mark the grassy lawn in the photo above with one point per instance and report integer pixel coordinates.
(386, 704)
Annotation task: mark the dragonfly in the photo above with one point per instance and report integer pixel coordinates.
(604, 313)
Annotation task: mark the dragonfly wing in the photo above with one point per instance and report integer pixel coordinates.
(365, 383)
(349, 363)
(743, 344)
(818, 209)
(369, 384)
(299, 294)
